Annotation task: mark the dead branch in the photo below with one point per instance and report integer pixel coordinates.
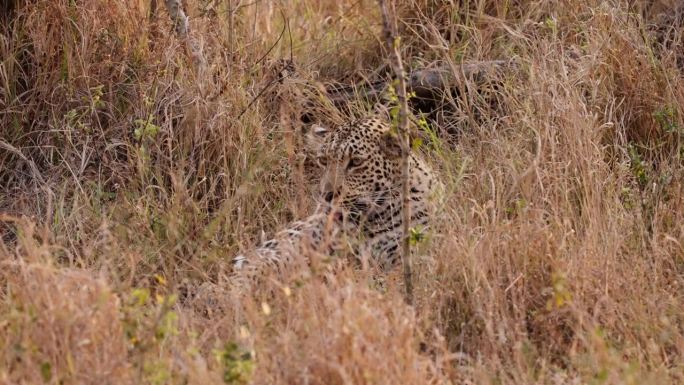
(425, 83)
(178, 16)
(181, 24)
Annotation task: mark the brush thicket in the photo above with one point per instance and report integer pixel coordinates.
(129, 178)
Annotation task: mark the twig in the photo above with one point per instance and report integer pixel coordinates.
(152, 15)
(181, 24)
(254, 99)
(178, 16)
(29, 162)
(273, 45)
(390, 33)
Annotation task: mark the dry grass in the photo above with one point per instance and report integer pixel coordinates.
(559, 257)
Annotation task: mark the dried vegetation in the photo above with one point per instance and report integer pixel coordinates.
(129, 177)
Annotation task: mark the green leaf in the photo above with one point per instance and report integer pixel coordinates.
(237, 363)
(145, 128)
(64, 66)
(46, 371)
(141, 296)
(416, 235)
(416, 143)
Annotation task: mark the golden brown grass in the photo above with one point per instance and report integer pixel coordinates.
(129, 179)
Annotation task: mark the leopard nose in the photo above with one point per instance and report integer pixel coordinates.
(329, 196)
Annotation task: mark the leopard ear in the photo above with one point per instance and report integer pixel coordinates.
(314, 138)
(390, 144)
(318, 130)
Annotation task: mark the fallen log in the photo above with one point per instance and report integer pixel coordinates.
(425, 83)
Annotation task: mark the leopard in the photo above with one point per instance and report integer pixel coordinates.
(362, 172)
(321, 235)
(360, 197)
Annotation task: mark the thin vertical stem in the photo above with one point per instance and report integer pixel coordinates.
(391, 35)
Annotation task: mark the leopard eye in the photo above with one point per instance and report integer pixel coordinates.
(355, 162)
(322, 160)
